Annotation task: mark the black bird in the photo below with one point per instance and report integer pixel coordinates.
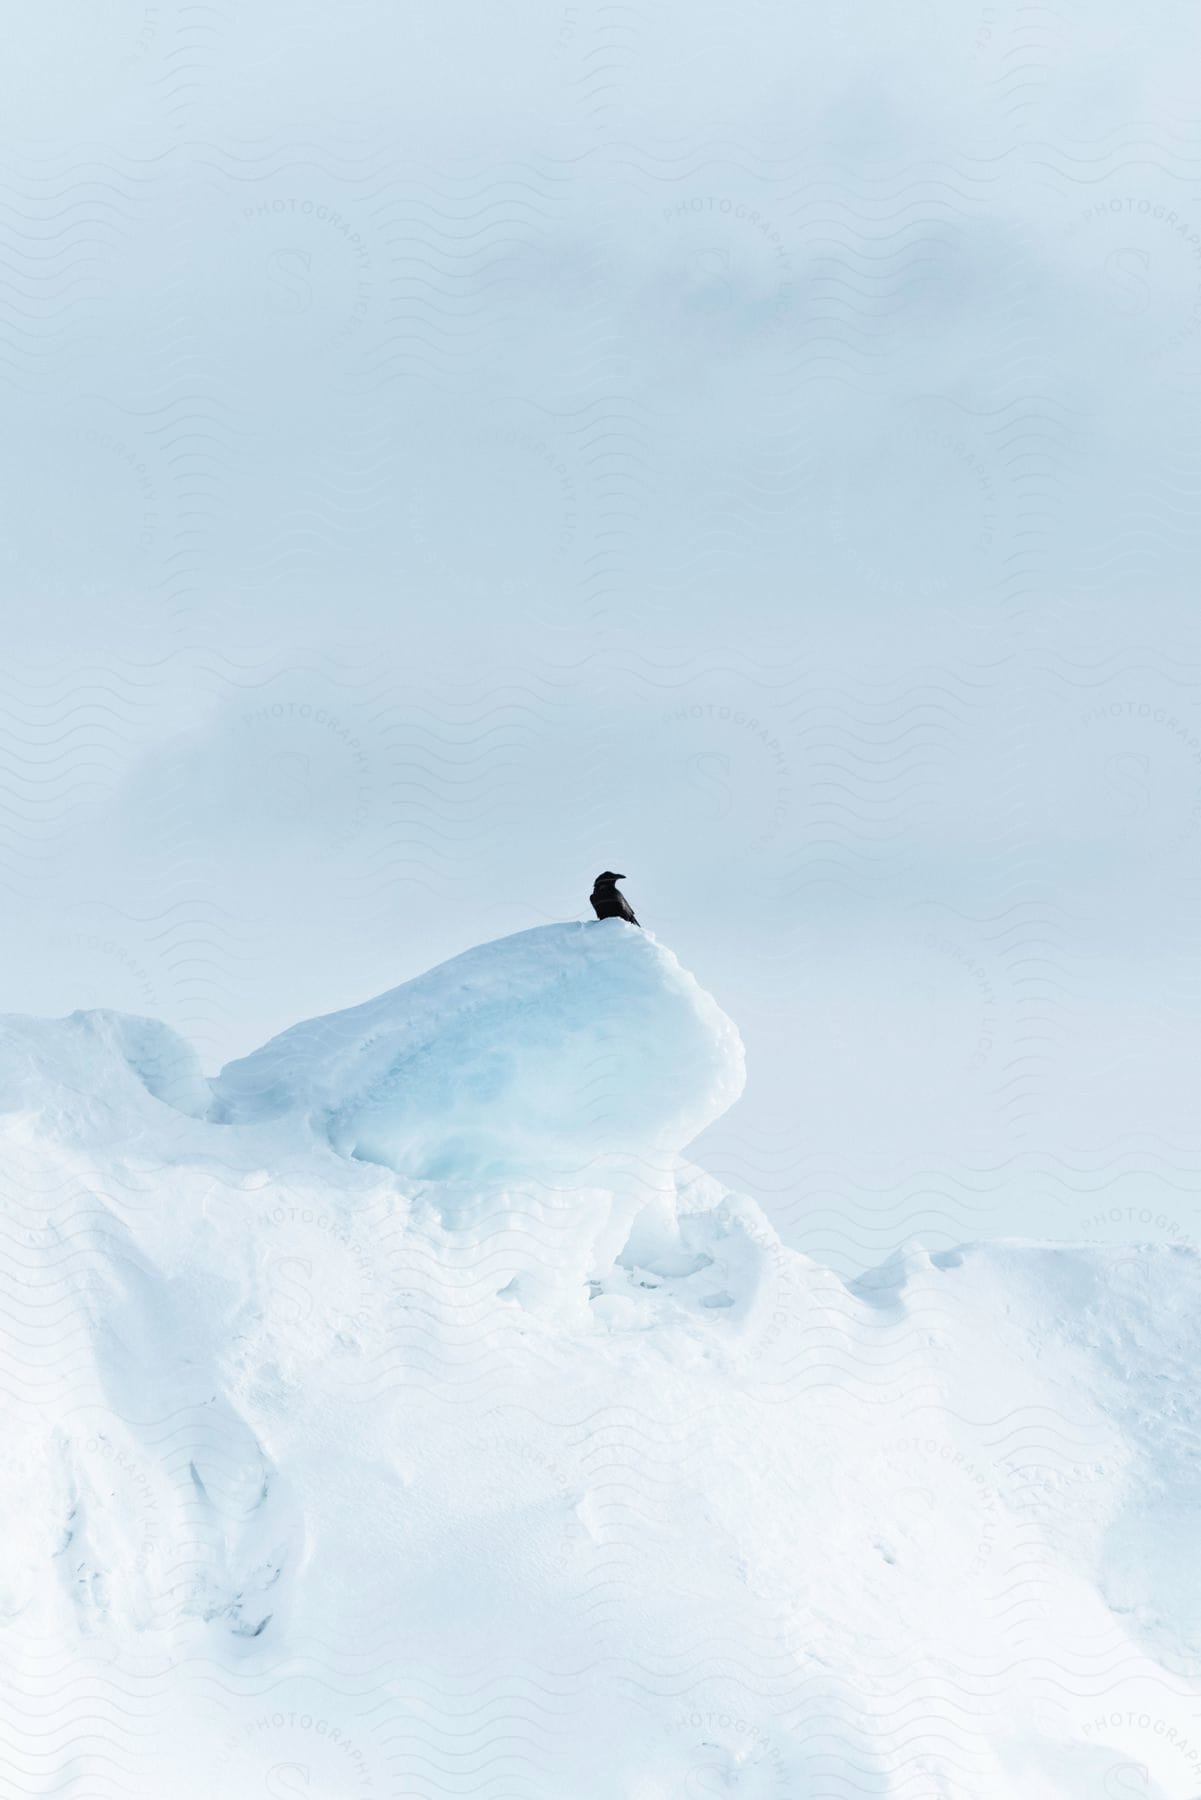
(607, 903)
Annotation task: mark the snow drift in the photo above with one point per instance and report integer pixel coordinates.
(400, 1414)
(548, 1049)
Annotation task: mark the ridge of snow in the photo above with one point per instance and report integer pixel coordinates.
(414, 1419)
(558, 1043)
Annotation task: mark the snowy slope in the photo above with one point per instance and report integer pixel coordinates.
(541, 1050)
(400, 1415)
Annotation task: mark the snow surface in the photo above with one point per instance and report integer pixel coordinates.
(400, 1414)
(549, 1048)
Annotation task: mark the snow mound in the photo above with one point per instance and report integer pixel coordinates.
(97, 1064)
(551, 1048)
(414, 1420)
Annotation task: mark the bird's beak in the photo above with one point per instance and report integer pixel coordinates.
(619, 878)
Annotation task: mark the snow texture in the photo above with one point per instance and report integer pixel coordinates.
(401, 1414)
(543, 1050)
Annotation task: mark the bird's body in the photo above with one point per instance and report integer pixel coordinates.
(607, 903)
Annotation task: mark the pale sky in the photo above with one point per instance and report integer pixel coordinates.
(452, 449)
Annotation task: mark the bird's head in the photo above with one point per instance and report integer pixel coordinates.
(608, 875)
